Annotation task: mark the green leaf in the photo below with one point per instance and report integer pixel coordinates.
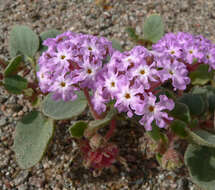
(63, 110)
(195, 103)
(194, 123)
(202, 137)
(78, 128)
(13, 66)
(201, 165)
(132, 33)
(158, 157)
(155, 133)
(178, 127)
(116, 45)
(15, 84)
(201, 75)
(32, 136)
(23, 40)
(209, 92)
(153, 28)
(52, 33)
(164, 91)
(181, 112)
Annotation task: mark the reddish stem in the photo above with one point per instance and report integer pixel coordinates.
(1, 76)
(32, 85)
(2, 63)
(192, 67)
(111, 129)
(26, 72)
(180, 92)
(154, 86)
(94, 113)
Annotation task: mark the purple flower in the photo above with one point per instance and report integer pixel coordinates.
(87, 72)
(176, 71)
(127, 98)
(63, 88)
(99, 101)
(193, 52)
(71, 60)
(210, 57)
(44, 78)
(143, 73)
(153, 110)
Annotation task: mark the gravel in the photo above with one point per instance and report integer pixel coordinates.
(61, 167)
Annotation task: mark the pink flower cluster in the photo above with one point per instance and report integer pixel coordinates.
(71, 62)
(76, 61)
(130, 78)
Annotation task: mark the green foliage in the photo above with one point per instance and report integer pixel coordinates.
(32, 135)
(201, 164)
(15, 84)
(116, 45)
(195, 103)
(181, 112)
(78, 128)
(63, 110)
(132, 33)
(179, 128)
(153, 28)
(165, 91)
(194, 123)
(52, 33)
(201, 75)
(155, 133)
(209, 93)
(96, 124)
(23, 40)
(13, 66)
(202, 137)
(158, 157)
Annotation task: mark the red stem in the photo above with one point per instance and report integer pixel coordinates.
(192, 67)
(154, 86)
(2, 63)
(94, 113)
(111, 129)
(1, 76)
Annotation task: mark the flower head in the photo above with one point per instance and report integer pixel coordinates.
(153, 110)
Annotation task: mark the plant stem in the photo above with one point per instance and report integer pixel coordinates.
(2, 63)
(153, 86)
(94, 113)
(192, 67)
(111, 129)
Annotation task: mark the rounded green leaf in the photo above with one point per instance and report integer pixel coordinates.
(63, 110)
(153, 28)
(155, 133)
(15, 84)
(78, 128)
(116, 45)
(201, 75)
(178, 127)
(202, 137)
(32, 136)
(23, 40)
(201, 165)
(195, 103)
(13, 66)
(181, 111)
(209, 92)
(52, 33)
